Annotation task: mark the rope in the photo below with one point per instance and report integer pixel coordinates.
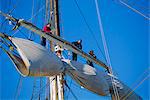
(71, 92)
(136, 87)
(141, 76)
(30, 34)
(33, 90)
(1, 46)
(22, 33)
(19, 87)
(106, 49)
(61, 21)
(14, 7)
(133, 9)
(88, 26)
(31, 18)
(137, 5)
(41, 89)
(134, 84)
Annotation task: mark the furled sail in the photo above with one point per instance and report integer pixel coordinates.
(99, 81)
(89, 77)
(35, 60)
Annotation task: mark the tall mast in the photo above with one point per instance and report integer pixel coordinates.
(52, 79)
(57, 28)
(56, 81)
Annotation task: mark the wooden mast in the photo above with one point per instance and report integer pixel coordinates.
(52, 79)
(56, 86)
(57, 29)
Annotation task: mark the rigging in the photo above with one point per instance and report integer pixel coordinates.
(106, 50)
(88, 26)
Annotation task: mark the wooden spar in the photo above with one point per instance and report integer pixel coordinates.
(56, 39)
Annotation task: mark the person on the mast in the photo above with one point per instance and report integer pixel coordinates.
(78, 44)
(47, 29)
(91, 53)
(58, 50)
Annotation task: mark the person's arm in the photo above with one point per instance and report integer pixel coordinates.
(80, 46)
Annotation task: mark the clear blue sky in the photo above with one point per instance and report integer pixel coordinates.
(126, 35)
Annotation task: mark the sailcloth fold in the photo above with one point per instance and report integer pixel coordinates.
(100, 82)
(89, 78)
(35, 59)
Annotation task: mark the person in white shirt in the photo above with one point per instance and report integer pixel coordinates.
(58, 50)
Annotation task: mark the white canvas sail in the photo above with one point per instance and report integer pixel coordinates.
(89, 78)
(99, 81)
(35, 60)
(38, 61)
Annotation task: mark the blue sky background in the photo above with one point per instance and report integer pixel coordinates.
(126, 34)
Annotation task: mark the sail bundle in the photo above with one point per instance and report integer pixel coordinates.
(89, 78)
(35, 60)
(100, 82)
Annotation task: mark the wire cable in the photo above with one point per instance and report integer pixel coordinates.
(139, 78)
(148, 76)
(32, 13)
(30, 19)
(133, 9)
(14, 7)
(106, 50)
(18, 87)
(71, 92)
(88, 26)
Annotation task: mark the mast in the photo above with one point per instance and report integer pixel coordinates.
(53, 79)
(56, 86)
(57, 29)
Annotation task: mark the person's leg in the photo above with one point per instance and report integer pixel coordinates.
(74, 57)
(43, 41)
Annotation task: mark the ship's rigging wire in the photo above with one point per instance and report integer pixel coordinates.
(70, 83)
(133, 9)
(71, 91)
(89, 28)
(31, 18)
(32, 13)
(34, 20)
(19, 86)
(147, 70)
(134, 3)
(148, 76)
(1, 41)
(9, 12)
(41, 89)
(139, 81)
(106, 49)
(23, 33)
